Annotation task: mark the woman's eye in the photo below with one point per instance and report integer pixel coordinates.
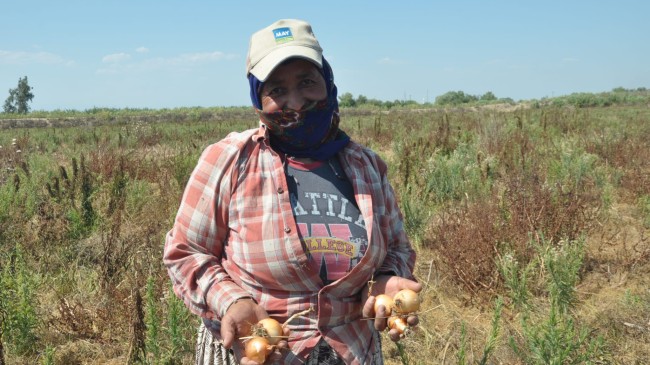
(274, 91)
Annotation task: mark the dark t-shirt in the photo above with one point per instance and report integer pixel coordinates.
(329, 221)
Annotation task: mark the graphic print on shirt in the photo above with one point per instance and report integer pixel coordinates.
(335, 241)
(329, 222)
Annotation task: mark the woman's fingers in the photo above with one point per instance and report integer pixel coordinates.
(381, 318)
(368, 310)
(412, 320)
(228, 331)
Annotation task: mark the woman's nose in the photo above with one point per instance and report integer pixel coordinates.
(295, 100)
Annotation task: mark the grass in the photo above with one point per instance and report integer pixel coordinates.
(531, 227)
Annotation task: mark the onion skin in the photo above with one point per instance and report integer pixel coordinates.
(270, 329)
(406, 301)
(386, 301)
(257, 349)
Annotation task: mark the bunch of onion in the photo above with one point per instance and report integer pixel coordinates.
(265, 335)
(398, 307)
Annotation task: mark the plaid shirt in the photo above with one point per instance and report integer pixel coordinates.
(235, 236)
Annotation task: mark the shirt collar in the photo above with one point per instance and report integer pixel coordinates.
(262, 134)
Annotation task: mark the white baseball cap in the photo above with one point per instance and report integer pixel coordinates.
(284, 39)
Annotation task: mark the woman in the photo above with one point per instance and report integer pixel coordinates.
(289, 217)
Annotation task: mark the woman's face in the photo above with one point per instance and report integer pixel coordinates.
(293, 84)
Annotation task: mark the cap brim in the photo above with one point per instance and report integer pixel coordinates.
(263, 69)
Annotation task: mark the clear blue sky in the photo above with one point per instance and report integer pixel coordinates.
(79, 54)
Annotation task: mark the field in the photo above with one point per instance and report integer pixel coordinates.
(531, 225)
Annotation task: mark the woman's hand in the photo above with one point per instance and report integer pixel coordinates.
(389, 285)
(237, 322)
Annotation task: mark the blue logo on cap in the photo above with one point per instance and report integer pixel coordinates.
(282, 35)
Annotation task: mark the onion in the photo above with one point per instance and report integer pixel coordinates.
(406, 301)
(257, 349)
(270, 329)
(386, 301)
(398, 323)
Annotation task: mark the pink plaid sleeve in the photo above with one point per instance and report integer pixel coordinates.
(194, 246)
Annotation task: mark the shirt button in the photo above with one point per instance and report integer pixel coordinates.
(287, 229)
(280, 190)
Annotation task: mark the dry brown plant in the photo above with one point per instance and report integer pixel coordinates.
(75, 321)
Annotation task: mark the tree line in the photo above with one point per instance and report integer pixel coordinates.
(450, 98)
(19, 98)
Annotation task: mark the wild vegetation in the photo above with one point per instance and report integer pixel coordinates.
(531, 224)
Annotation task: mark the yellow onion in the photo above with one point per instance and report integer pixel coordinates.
(257, 349)
(398, 323)
(406, 301)
(386, 301)
(269, 328)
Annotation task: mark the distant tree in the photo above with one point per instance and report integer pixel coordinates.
(362, 100)
(9, 103)
(19, 98)
(375, 102)
(347, 100)
(455, 98)
(488, 96)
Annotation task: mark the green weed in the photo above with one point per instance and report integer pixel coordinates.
(644, 205)
(18, 303)
(492, 340)
(461, 355)
(516, 279)
(152, 320)
(554, 337)
(48, 356)
(181, 327)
